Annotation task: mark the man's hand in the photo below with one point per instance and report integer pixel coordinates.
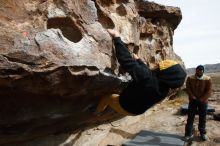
(193, 97)
(154, 66)
(203, 100)
(113, 33)
(135, 56)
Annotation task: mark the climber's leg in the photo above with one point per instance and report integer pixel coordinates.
(103, 103)
(112, 101)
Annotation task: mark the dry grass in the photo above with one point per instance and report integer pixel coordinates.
(178, 100)
(215, 79)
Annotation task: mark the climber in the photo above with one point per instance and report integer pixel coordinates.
(148, 86)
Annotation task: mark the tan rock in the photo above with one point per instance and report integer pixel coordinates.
(56, 59)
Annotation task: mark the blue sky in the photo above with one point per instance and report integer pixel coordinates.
(197, 38)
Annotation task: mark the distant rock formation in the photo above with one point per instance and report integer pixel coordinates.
(56, 59)
(209, 68)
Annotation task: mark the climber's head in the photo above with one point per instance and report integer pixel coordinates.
(171, 74)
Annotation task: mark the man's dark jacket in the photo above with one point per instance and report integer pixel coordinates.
(147, 87)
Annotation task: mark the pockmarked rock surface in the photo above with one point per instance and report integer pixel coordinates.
(56, 59)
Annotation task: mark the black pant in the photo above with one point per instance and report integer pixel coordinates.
(192, 109)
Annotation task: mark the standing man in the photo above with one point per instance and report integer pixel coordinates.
(199, 89)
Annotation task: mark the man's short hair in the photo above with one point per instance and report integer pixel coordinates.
(200, 67)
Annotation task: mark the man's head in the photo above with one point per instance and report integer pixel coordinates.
(199, 71)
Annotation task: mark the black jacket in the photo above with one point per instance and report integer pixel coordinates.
(147, 87)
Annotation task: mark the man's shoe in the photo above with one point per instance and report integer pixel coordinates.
(204, 137)
(187, 138)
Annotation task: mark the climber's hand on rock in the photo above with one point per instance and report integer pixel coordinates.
(113, 33)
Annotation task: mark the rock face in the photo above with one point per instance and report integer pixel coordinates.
(56, 59)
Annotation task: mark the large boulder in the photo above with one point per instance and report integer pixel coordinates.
(57, 59)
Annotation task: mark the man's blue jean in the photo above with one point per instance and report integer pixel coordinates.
(192, 110)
